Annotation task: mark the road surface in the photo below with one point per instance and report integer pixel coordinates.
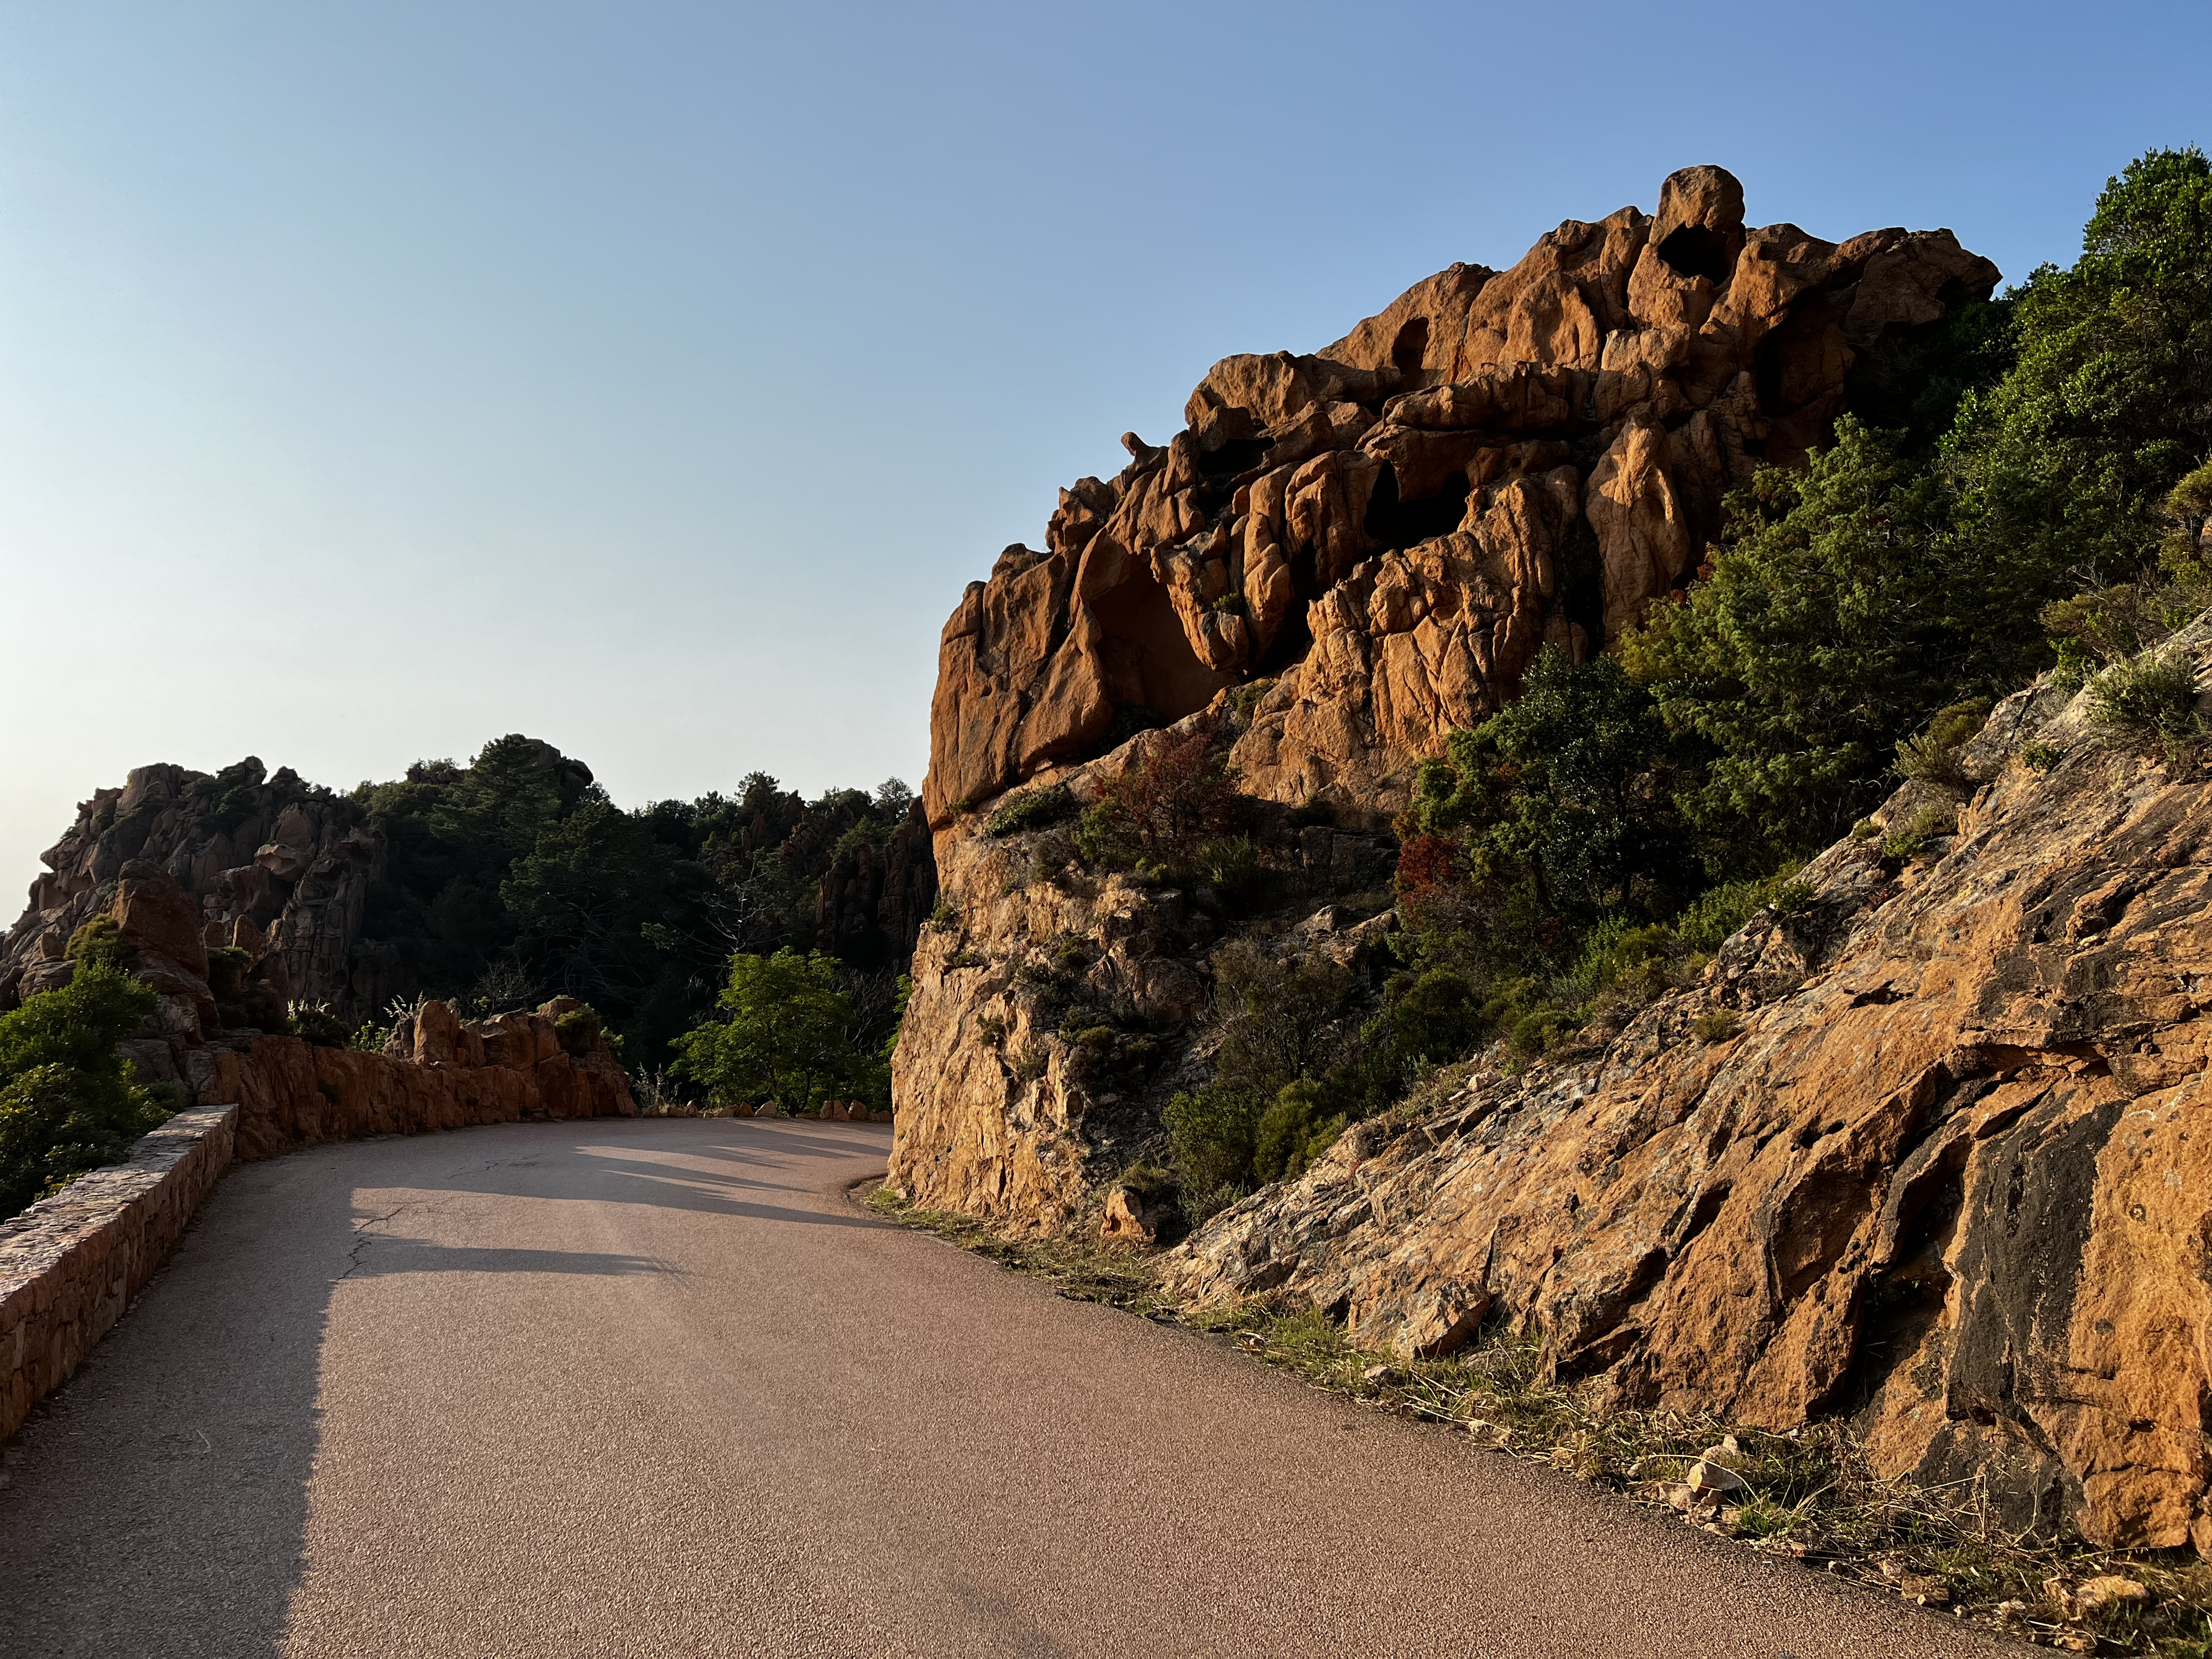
(656, 1387)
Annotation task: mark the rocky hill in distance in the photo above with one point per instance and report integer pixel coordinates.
(495, 884)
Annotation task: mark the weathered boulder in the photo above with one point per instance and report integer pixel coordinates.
(1951, 1177)
(1389, 528)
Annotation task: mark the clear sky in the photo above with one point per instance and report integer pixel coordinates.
(376, 379)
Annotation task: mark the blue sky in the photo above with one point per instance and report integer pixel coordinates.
(649, 378)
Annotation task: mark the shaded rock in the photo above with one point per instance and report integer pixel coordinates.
(292, 862)
(1132, 1216)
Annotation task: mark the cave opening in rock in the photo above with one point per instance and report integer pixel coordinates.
(1693, 250)
(1146, 658)
(1236, 455)
(1396, 523)
(1410, 346)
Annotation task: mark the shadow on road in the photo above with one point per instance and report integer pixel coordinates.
(158, 1505)
(750, 1162)
(418, 1255)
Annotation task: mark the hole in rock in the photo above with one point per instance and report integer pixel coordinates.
(1693, 250)
(1144, 657)
(1410, 346)
(1396, 523)
(1236, 455)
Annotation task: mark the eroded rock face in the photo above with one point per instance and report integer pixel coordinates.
(1387, 529)
(288, 863)
(1053, 1008)
(1951, 1177)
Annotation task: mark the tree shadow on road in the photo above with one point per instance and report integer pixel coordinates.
(749, 1163)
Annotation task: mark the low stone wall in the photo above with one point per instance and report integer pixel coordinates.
(70, 1264)
(290, 1093)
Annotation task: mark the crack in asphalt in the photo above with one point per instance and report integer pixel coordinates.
(363, 1237)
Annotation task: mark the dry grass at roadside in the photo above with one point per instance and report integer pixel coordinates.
(1809, 1494)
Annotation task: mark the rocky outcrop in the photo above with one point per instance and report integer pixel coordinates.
(1055, 1008)
(1386, 531)
(1929, 1150)
(874, 899)
(267, 858)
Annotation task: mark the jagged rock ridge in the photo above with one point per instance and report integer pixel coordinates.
(1388, 528)
(267, 860)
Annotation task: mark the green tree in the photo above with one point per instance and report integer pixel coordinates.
(784, 1030)
(2069, 460)
(69, 1100)
(1844, 609)
(1556, 790)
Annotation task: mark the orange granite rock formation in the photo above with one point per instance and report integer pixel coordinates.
(1387, 529)
(1950, 1178)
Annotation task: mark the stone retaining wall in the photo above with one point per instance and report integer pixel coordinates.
(291, 1093)
(70, 1264)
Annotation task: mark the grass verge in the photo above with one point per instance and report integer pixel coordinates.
(1809, 1494)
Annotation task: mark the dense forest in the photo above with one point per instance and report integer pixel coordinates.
(514, 877)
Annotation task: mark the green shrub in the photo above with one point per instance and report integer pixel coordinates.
(1436, 1014)
(1230, 866)
(319, 1023)
(226, 966)
(1717, 1024)
(1297, 1127)
(100, 939)
(2153, 696)
(69, 1102)
(1244, 701)
(2040, 757)
(1911, 839)
(1718, 914)
(1932, 756)
(1212, 1132)
(1031, 809)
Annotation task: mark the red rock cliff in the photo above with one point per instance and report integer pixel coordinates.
(1387, 529)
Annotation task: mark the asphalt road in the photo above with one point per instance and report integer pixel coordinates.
(656, 1389)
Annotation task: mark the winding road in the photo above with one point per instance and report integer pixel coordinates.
(656, 1387)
